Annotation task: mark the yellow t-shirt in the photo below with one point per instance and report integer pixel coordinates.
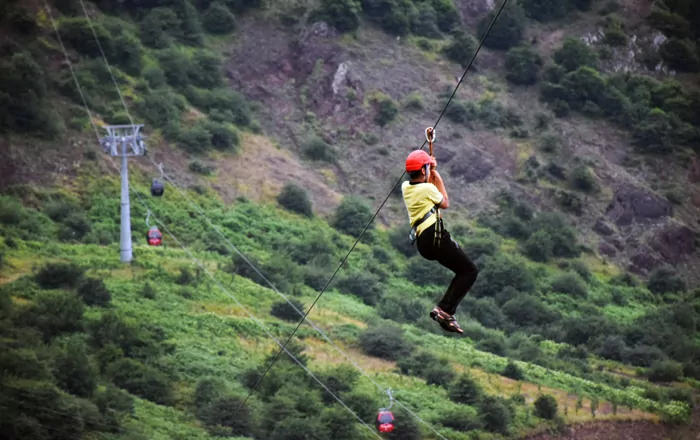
(419, 199)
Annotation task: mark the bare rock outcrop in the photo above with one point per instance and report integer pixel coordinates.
(674, 243)
(632, 204)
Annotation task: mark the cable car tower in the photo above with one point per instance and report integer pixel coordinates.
(124, 141)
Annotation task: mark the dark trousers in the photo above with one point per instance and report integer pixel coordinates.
(448, 253)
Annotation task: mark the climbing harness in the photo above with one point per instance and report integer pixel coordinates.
(385, 418)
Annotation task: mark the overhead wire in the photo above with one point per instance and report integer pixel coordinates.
(189, 253)
(258, 272)
(305, 315)
(471, 61)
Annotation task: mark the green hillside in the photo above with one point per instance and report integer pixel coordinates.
(557, 332)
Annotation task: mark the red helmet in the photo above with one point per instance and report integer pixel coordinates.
(417, 160)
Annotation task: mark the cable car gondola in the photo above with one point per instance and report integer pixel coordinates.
(385, 421)
(154, 237)
(157, 188)
(385, 418)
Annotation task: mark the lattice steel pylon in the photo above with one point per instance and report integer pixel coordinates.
(124, 141)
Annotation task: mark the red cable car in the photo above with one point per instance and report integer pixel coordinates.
(385, 421)
(154, 237)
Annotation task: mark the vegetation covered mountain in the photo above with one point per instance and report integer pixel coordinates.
(570, 152)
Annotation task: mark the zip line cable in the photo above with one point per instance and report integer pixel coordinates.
(305, 315)
(200, 211)
(380, 206)
(192, 257)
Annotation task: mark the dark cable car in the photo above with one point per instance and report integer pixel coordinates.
(154, 237)
(385, 421)
(157, 188)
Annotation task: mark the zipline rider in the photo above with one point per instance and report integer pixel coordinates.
(424, 196)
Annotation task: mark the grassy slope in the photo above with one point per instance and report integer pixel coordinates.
(214, 336)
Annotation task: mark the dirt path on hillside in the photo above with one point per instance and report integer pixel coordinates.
(626, 430)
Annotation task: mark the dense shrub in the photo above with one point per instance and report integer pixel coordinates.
(461, 48)
(665, 371)
(461, 419)
(539, 246)
(387, 110)
(228, 412)
(546, 10)
(562, 235)
(363, 285)
(573, 54)
(546, 407)
(205, 69)
(316, 148)
(665, 280)
(351, 216)
(507, 31)
(494, 414)
(680, 55)
(570, 283)
(523, 65)
(425, 22)
(614, 32)
(513, 371)
(527, 310)
(22, 97)
(142, 380)
(295, 199)
(74, 370)
(55, 314)
(78, 33)
(157, 27)
(386, 342)
(500, 272)
(59, 275)
(217, 19)
(671, 24)
(465, 390)
(582, 179)
(160, 108)
(342, 14)
(94, 292)
(288, 312)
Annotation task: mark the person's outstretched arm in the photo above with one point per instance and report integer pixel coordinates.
(436, 180)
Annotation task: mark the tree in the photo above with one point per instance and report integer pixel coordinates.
(574, 53)
(665, 280)
(680, 55)
(352, 216)
(288, 312)
(465, 390)
(386, 342)
(73, 369)
(507, 31)
(217, 19)
(546, 407)
(523, 65)
(156, 26)
(94, 292)
(295, 199)
(461, 48)
(546, 10)
(342, 14)
(228, 413)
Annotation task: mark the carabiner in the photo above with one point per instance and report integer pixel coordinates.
(430, 134)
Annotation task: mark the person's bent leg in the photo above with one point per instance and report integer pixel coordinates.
(453, 257)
